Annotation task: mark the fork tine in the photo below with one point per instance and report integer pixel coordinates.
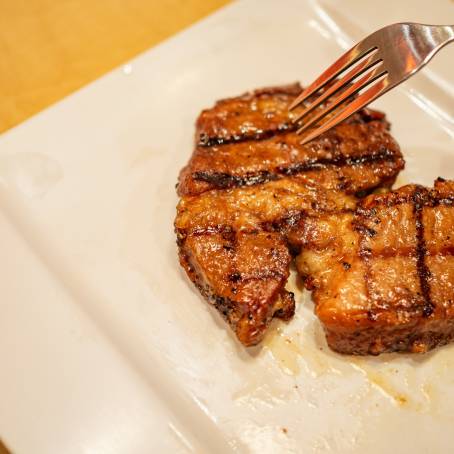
(341, 64)
(350, 91)
(362, 100)
(359, 69)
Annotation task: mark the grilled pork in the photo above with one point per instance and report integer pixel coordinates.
(383, 275)
(250, 140)
(249, 189)
(234, 246)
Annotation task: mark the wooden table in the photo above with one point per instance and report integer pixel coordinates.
(50, 48)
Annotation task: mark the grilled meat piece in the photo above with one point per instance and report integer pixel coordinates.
(383, 276)
(234, 246)
(250, 140)
(250, 185)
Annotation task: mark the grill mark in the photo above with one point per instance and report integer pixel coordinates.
(287, 221)
(230, 239)
(258, 135)
(429, 201)
(365, 116)
(223, 180)
(284, 223)
(364, 254)
(448, 201)
(364, 230)
(403, 252)
(237, 277)
(421, 266)
(338, 161)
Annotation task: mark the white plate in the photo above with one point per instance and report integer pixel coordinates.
(105, 346)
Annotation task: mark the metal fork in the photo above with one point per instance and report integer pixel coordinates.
(378, 63)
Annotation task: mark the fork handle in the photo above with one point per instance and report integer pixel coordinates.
(446, 33)
(438, 36)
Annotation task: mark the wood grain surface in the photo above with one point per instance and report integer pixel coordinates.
(50, 48)
(3, 450)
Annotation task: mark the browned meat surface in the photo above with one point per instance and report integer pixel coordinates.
(249, 189)
(250, 140)
(233, 245)
(383, 276)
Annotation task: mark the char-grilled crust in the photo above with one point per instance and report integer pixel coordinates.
(250, 140)
(249, 189)
(234, 245)
(390, 279)
(243, 275)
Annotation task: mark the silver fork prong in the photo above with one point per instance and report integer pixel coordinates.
(350, 91)
(359, 69)
(340, 65)
(402, 50)
(359, 102)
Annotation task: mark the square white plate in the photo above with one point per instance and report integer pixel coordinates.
(105, 346)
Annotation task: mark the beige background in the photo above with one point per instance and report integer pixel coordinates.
(50, 48)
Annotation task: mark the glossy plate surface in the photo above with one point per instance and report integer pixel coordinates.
(105, 345)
